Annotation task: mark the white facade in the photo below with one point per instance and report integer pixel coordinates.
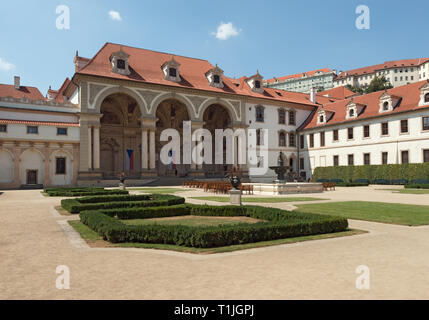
(394, 143)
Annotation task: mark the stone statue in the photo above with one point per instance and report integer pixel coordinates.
(280, 160)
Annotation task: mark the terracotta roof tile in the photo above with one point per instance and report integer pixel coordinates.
(297, 76)
(31, 93)
(41, 123)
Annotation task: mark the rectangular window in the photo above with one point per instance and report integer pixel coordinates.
(301, 164)
(366, 131)
(350, 133)
(336, 161)
(425, 123)
(322, 139)
(384, 157)
(404, 157)
(366, 158)
(335, 134)
(282, 117)
(32, 129)
(291, 118)
(3, 128)
(351, 159)
(61, 131)
(301, 141)
(404, 126)
(384, 128)
(312, 140)
(60, 166)
(426, 155)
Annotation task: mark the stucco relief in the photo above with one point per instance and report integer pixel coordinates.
(94, 90)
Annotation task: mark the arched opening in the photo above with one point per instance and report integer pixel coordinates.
(6, 167)
(170, 114)
(215, 117)
(120, 136)
(426, 97)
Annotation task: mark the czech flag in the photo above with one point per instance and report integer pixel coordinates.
(130, 160)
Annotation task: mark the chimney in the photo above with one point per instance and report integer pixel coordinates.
(313, 95)
(17, 82)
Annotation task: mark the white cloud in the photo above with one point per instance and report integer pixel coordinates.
(225, 31)
(6, 66)
(114, 15)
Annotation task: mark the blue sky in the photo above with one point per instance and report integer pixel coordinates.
(277, 37)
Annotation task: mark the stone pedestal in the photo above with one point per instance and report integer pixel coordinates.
(235, 197)
(121, 186)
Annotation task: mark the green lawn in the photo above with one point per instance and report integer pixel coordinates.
(192, 221)
(408, 191)
(259, 200)
(92, 238)
(159, 190)
(411, 215)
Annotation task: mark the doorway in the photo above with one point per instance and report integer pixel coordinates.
(31, 177)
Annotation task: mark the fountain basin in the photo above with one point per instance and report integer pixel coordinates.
(287, 188)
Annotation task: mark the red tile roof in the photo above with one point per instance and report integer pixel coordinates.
(41, 123)
(297, 76)
(31, 93)
(145, 66)
(337, 93)
(410, 95)
(382, 66)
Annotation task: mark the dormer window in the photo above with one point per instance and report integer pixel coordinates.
(171, 70)
(255, 82)
(388, 102)
(424, 94)
(214, 76)
(322, 119)
(354, 109)
(119, 62)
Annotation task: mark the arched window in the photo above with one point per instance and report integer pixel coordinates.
(321, 119)
(282, 116)
(282, 139)
(386, 106)
(351, 113)
(259, 114)
(292, 142)
(426, 97)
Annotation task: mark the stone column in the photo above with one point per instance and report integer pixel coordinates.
(96, 147)
(89, 148)
(195, 125)
(47, 178)
(145, 150)
(16, 161)
(152, 149)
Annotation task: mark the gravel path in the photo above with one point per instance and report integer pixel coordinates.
(34, 240)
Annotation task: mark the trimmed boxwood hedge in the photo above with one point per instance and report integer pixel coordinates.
(119, 201)
(276, 224)
(396, 173)
(82, 191)
(352, 184)
(417, 186)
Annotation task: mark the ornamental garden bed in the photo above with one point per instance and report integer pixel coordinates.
(251, 224)
(79, 192)
(119, 201)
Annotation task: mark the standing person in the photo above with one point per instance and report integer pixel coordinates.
(122, 181)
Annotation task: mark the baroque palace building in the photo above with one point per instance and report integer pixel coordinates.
(108, 119)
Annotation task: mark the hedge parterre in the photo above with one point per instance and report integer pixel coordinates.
(275, 224)
(119, 201)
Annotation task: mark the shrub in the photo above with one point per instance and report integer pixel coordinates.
(77, 192)
(361, 181)
(420, 181)
(391, 172)
(381, 181)
(277, 224)
(112, 202)
(417, 186)
(399, 181)
(337, 180)
(352, 184)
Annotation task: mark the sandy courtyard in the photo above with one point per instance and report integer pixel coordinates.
(33, 242)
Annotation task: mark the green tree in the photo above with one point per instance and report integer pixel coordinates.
(378, 84)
